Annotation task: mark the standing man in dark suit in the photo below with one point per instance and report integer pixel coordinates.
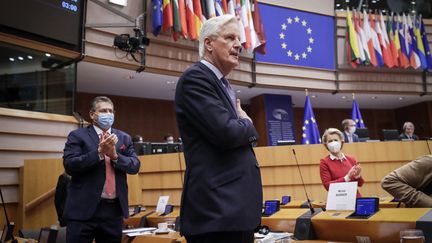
(98, 158)
(349, 127)
(222, 194)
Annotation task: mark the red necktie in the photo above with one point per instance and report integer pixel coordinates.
(109, 187)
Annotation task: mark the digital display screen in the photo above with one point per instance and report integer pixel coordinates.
(271, 207)
(168, 209)
(53, 19)
(366, 206)
(285, 200)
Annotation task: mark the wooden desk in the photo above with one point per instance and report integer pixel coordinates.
(284, 219)
(384, 226)
(384, 202)
(172, 237)
(153, 218)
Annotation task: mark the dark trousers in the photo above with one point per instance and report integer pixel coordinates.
(222, 237)
(105, 226)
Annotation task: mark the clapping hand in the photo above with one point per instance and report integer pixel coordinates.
(107, 145)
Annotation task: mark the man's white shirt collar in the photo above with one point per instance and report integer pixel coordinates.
(212, 67)
(99, 131)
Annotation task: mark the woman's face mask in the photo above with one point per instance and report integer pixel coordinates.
(334, 146)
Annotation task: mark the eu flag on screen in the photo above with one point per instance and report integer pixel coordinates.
(310, 134)
(356, 115)
(157, 17)
(297, 38)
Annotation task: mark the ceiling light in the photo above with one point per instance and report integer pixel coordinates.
(413, 2)
(170, 82)
(343, 97)
(11, 59)
(383, 10)
(47, 54)
(413, 11)
(401, 98)
(373, 1)
(238, 91)
(313, 96)
(337, 4)
(374, 97)
(29, 57)
(347, 1)
(20, 58)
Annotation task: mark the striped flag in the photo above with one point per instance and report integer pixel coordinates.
(259, 28)
(391, 33)
(219, 8)
(176, 18)
(403, 54)
(211, 11)
(198, 16)
(368, 34)
(190, 19)
(167, 15)
(351, 41)
(412, 41)
(363, 39)
(385, 43)
(376, 44)
(420, 48)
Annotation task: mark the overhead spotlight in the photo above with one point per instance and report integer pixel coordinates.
(373, 1)
(343, 97)
(29, 57)
(238, 91)
(401, 98)
(20, 58)
(11, 59)
(313, 96)
(47, 54)
(337, 4)
(374, 97)
(347, 1)
(413, 2)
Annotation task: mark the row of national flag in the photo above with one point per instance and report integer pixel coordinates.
(401, 41)
(310, 132)
(184, 18)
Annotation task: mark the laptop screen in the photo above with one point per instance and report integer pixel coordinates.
(366, 206)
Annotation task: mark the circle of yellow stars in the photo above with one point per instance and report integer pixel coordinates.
(310, 40)
(306, 122)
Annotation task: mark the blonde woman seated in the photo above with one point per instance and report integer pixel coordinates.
(337, 166)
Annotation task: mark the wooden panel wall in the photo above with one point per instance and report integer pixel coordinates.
(152, 119)
(161, 174)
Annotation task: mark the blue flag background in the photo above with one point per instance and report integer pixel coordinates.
(311, 133)
(297, 38)
(356, 115)
(157, 17)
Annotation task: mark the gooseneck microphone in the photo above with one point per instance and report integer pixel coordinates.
(304, 186)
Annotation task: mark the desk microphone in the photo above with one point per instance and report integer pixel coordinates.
(429, 149)
(304, 186)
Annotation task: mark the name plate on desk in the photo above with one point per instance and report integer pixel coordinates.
(342, 196)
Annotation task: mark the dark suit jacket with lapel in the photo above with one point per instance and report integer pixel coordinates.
(82, 162)
(354, 136)
(222, 187)
(404, 136)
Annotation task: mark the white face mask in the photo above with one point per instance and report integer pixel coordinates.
(334, 146)
(351, 130)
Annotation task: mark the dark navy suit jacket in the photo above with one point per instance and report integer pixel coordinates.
(222, 187)
(82, 162)
(354, 136)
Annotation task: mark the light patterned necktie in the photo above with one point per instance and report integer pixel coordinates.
(229, 90)
(109, 187)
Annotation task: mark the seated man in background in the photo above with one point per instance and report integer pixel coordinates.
(408, 132)
(169, 138)
(411, 183)
(338, 167)
(349, 127)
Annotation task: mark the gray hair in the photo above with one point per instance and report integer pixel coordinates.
(407, 124)
(346, 122)
(331, 131)
(100, 99)
(211, 28)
